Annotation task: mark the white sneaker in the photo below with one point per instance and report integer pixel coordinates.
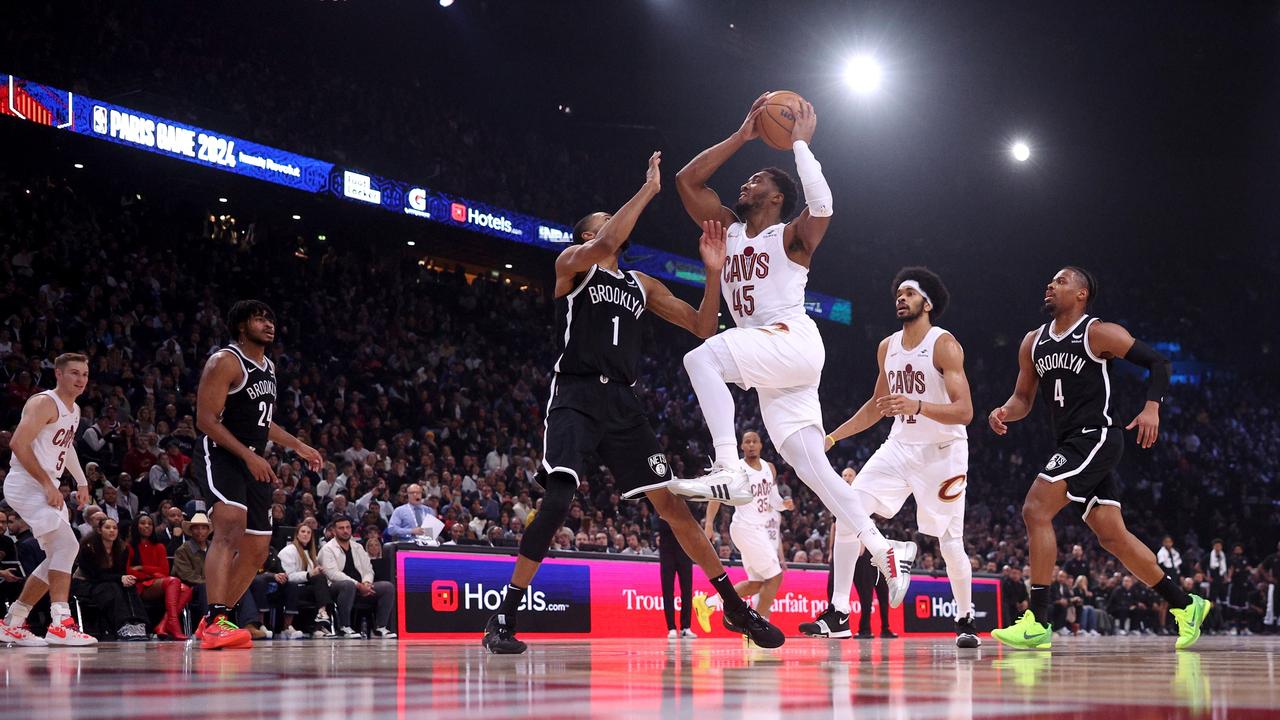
(687, 634)
(1064, 632)
(673, 634)
(1122, 632)
(22, 636)
(725, 483)
(384, 634)
(895, 565)
(347, 633)
(268, 632)
(292, 633)
(68, 633)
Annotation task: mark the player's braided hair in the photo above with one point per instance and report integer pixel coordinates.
(1090, 283)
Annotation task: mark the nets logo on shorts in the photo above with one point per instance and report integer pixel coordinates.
(1057, 461)
(444, 596)
(658, 464)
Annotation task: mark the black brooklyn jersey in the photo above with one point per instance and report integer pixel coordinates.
(1075, 383)
(598, 326)
(247, 414)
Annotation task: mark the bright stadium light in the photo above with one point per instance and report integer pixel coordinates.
(297, 217)
(862, 74)
(222, 200)
(508, 266)
(79, 166)
(446, 3)
(1020, 150)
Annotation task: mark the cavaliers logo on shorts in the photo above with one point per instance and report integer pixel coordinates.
(658, 464)
(1055, 462)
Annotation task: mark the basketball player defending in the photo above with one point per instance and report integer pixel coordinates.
(754, 528)
(1070, 359)
(594, 411)
(43, 446)
(922, 386)
(234, 405)
(776, 347)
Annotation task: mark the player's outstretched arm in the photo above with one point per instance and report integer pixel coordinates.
(221, 373)
(701, 322)
(700, 201)
(868, 414)
(1109, 340)
(600, 246)
(805, 233)
(949, 358)
(1024, 390)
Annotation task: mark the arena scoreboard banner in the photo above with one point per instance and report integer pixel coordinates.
(64, 110)
(446, 594)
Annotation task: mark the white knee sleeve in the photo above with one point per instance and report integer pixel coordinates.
(60, 550)
(959, 572)
(710, 366)
(803, 451)
(844, 555)
(41, 571)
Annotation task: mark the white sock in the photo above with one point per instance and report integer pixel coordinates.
(18, 613)
(844, 555)
(959, 572)
(803, 451)
(708, 374)
(60, 612)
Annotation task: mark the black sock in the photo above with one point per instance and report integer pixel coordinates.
(729, 596)
(1174, 595)
(215, 610)
(1040, 603)
(510, 604)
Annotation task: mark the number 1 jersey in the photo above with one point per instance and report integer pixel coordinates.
(598, 326)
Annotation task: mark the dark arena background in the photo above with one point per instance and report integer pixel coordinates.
(396, 180)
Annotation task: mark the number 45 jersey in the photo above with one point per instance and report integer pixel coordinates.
(598, 326)
(760, 283)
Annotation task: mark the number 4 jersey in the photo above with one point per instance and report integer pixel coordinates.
(53, 440)
(251, 405)
(1074, 382)
(598, 326)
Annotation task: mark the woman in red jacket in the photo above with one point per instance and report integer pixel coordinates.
(149, 562)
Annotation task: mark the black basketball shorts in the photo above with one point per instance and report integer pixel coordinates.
(1086, 460)
(224, 478)
(592, 418)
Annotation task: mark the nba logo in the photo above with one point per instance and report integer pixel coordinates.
(924, 607)
(99, 119)
(444, 595)
(458, 212)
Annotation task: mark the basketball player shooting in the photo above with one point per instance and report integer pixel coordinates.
(1069, 358)
(593, 409)
(776, 347)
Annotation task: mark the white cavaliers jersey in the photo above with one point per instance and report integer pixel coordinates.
(53, 440)
(764, 508)
(912, 373)
(760, 283)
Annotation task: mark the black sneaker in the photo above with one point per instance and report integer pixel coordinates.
(887, 634)
(831, 623)
(966, 633)
(500, 638)
(748, 622)
(864, 635)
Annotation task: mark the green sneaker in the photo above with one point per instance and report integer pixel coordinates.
(1190, 618)
(1026, 634)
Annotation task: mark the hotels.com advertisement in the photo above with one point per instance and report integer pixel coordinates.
(443, 594)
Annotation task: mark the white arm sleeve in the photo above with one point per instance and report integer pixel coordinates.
(817, 194)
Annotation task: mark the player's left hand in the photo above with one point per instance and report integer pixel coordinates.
(788, 504)
(82, 495)
(711, 246)
(806, 123)
(1148, 424)
(891, 405)
(310, 455)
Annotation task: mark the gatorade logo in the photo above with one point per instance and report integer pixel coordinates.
(444, 595)
(924, 607)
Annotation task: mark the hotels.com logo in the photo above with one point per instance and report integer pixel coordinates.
(444, 595)
(463, 214)
(924, 607)
(458, 212)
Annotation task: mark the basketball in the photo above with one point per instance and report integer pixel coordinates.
(778, 117)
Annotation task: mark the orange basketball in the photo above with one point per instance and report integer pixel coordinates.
(778, 117)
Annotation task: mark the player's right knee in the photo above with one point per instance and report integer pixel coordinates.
(551, 515)
(697, 356)
(60, 549)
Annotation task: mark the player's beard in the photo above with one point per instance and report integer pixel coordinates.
(744, 208)
(911, 315)
(1049, 308)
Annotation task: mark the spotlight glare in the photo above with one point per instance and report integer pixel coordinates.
(508, 266)
(79, 166)
(410, 243)
(862, 74)
(222, 200)
(297, 217)
(1020, 151)
(446, 3)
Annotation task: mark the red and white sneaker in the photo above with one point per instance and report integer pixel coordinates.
(20, 635)
(224, 634)
(68, 633)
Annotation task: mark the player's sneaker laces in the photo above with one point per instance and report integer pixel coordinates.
(725, 482)
(20, 635)
(1027, 633)
(500, 638)
(1190, 618)
(966, 633)
(831, 623)
(68, 632)
(895, 565)
(224, 634)
(748, 622)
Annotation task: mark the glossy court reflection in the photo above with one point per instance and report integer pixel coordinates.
(1136, 678)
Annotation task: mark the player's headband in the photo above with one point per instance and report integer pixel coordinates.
(915, 286)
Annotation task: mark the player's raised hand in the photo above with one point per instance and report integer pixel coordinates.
(653, 176)
(748, 130)
(711, 245)
(1148, 424)
(806, 123)
(996, 420)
